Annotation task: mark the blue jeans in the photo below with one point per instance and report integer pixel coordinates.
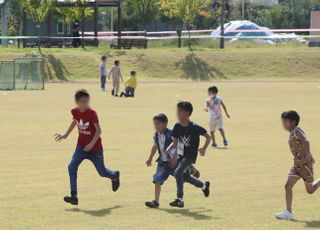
(103, 80)
(96, 158)
(181, 174)
(163, 172)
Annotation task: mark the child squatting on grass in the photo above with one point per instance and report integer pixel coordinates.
(186, 139)
(131, 85)
(89, 146)
(161, 141)
(302, 161)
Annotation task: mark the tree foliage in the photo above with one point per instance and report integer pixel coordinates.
(75, 13)
(37, 10)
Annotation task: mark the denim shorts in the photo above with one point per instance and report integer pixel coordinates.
(163, 172)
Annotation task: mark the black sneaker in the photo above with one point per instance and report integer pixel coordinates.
(177, 203)
(71, 200)
(116, 182)
(112, 92)
(206, 191)
(152, 204)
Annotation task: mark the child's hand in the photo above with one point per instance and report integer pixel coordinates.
(173, 162)
(149, 162)
(228, 116)
(167, 152)
(206, 109)
(59, 137)
(202, 151)
(88, 148)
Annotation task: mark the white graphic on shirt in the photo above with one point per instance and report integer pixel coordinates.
(183, 142)
(83, 126)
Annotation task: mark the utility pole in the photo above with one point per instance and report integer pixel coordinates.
(222, 21)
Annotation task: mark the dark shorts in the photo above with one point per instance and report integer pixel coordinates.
(163, 172)
(303, 171)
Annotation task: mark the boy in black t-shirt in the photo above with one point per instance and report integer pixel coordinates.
(186, 139)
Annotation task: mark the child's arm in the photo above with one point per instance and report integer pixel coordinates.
(59, 137)
(173, 145)
(120, 74)
(225, 109)
(203, 150)
(154, 150)
(111, 70)
(206, 109)
(94, 139)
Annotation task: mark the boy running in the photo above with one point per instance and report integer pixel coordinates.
(186, 139)
(162, 139)
(214, 104)
(116, 75)
(89, 145)
(131, 85)
(103, 73)
(302, 159)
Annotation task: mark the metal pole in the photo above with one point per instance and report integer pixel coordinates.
(243, 9)
(111, 21)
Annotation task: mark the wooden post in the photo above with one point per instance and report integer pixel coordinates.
(49, 29)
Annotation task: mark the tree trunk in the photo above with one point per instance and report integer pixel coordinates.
(38, 38)
(189, 40)
(179, 33)
(222, 21)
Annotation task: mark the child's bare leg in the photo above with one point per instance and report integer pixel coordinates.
(213, 138)
(312, 187)
(292, 180)
(222, 134)
(157, 190)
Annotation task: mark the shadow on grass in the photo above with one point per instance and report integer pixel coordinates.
(96, 213)
(197, 215)
(311, 224)
(197, 69)
(60, 71)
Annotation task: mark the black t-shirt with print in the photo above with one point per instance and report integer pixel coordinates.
(188, 139)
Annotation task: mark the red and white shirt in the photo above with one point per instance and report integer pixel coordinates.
(85, 122)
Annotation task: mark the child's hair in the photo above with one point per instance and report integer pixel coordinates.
(292, 116)
(80, 94)
(161, 117)
(117, 62)
(185, 106)
(133, 73)
(103, 58)
(213, 89)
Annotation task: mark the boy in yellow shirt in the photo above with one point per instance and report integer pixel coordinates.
(131, 85)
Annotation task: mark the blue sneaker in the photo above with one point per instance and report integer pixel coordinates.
(214, 145)
(225, 142)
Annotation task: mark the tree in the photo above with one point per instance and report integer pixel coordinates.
(37, 11)
(182, 12)
(79, 12)
(142, 11)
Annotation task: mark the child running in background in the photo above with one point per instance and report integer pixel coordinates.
(302, 161)
(115, 74)
(161, 141)
(214, 104)
(131, 85)
(89, 145)
(103, 73)
(186, 138)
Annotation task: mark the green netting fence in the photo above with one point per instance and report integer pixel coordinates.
(25, 73)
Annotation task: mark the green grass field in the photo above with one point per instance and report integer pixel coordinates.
(248, 178)
(277, 63)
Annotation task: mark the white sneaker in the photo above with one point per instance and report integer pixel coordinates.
(284, 215)
(102, 90)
